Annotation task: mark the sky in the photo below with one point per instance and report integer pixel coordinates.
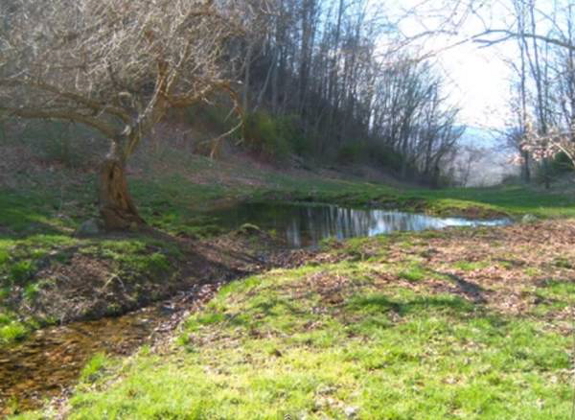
(477, 79)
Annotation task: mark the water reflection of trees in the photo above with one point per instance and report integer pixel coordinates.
(308, 225)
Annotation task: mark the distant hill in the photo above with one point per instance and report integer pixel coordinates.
(483, 160)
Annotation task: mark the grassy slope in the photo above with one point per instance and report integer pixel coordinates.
(40, 212)
(434, 325)
(36, 228)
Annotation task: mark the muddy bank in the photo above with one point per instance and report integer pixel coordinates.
(115, 274)
(48, 362)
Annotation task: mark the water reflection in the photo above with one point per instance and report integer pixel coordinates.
(306, 225)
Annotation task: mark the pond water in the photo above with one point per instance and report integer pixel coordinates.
(306, 225)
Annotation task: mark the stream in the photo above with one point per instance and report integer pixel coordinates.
(52, 358)
(50, 361)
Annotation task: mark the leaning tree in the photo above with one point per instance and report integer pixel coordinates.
(117, 66)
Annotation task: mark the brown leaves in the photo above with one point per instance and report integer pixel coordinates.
(501, 268)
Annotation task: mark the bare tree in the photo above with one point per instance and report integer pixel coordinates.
(339, 66)
(117, 66)
(544, 32)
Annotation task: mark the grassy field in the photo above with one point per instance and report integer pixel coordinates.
(41, 209)
(458, 324)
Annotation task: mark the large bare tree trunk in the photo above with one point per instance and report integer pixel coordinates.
(117, 207)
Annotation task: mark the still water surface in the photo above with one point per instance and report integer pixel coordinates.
(303, 225)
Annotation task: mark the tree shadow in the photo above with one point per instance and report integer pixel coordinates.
(453, 306)
(470, 290)
(266, 311)
(26, 227)
(403, 308)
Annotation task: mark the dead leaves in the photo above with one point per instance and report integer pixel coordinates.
(501, 269)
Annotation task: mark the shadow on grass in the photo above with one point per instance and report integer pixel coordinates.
(470, 290)
(377, 303)
(20, 225)
(452, 307)
(550, 283)
(264, 312)
(364, 306)
(24, 215)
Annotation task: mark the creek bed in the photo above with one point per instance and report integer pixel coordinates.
(51, 360)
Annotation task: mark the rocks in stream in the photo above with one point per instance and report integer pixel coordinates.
(529, 219)
(249, 229)
(91, 227)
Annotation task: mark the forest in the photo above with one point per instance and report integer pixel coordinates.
(287, 209)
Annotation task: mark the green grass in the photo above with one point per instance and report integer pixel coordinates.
(321, 341)
(414, 272)
(514, 200)
(37, 236)
(11, 329)
(172, 199)
(39, 219)
(278, 345)
(94, 368)
(471, 265)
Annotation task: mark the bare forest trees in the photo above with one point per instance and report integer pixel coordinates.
(544, 102)
(324, 62)
(117, 66)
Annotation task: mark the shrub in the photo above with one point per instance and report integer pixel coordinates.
(216, 118)
(561, 164)
(273, 137)
(512, 179)
(553, 169)
(383, 155)
(351, 153)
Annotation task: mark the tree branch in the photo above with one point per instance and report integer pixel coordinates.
(64, 114)
(508, 34)
(79, 99)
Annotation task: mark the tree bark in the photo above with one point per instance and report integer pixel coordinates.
(526, 169)
(117, 207)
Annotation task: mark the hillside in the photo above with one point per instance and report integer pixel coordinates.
(248, 209)
(51, 276)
